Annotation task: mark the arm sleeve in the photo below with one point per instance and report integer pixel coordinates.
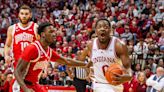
(30, 53)
(55, 56)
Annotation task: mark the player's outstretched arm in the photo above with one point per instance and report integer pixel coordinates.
(20, 74)
(66, 61)
(71, 62)
(7, 47)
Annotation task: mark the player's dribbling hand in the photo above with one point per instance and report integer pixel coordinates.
(29, 90)
(119, 79)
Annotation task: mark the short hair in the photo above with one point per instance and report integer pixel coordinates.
(25, 7)
(159, 68)
(102, 19)
(42, 26)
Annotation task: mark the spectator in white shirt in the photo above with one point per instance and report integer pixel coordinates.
(56, 12)
(140, 52)
(155, 82)
(160, 15)
(65, 10)
(141, 48)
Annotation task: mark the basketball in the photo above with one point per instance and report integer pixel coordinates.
(113, 69)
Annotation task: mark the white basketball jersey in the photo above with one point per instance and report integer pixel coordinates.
(102, 58)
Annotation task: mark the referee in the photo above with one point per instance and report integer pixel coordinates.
(79, 76)
(79, 80)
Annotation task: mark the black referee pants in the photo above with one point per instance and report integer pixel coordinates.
(80, 85)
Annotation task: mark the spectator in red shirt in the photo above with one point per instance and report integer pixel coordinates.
(79, 38)
(59, 37)
(133, 27)
(65, 47)
(120, 30)
(130, 86)
(84, 16)
(148, 71)
(58, 46)
(100, 4)
(155, 36)
(135, 30)
(4, 83)
(116, 10)
(141, 83)
(88, 23)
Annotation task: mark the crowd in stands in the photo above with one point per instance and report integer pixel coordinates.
(139, 23)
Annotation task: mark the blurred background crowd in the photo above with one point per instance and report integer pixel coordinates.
(139, 23)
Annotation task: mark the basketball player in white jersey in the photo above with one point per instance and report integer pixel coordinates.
(103, 51)
(19, 36)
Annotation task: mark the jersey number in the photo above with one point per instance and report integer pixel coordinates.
(23, 45)
(104, 68)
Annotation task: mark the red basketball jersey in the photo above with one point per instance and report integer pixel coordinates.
(38, 58)
(21, 38)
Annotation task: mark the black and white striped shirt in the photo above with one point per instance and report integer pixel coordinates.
(80, 73)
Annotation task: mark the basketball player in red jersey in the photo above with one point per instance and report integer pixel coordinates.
(103, 51)
(35, 58)
(19, 36)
